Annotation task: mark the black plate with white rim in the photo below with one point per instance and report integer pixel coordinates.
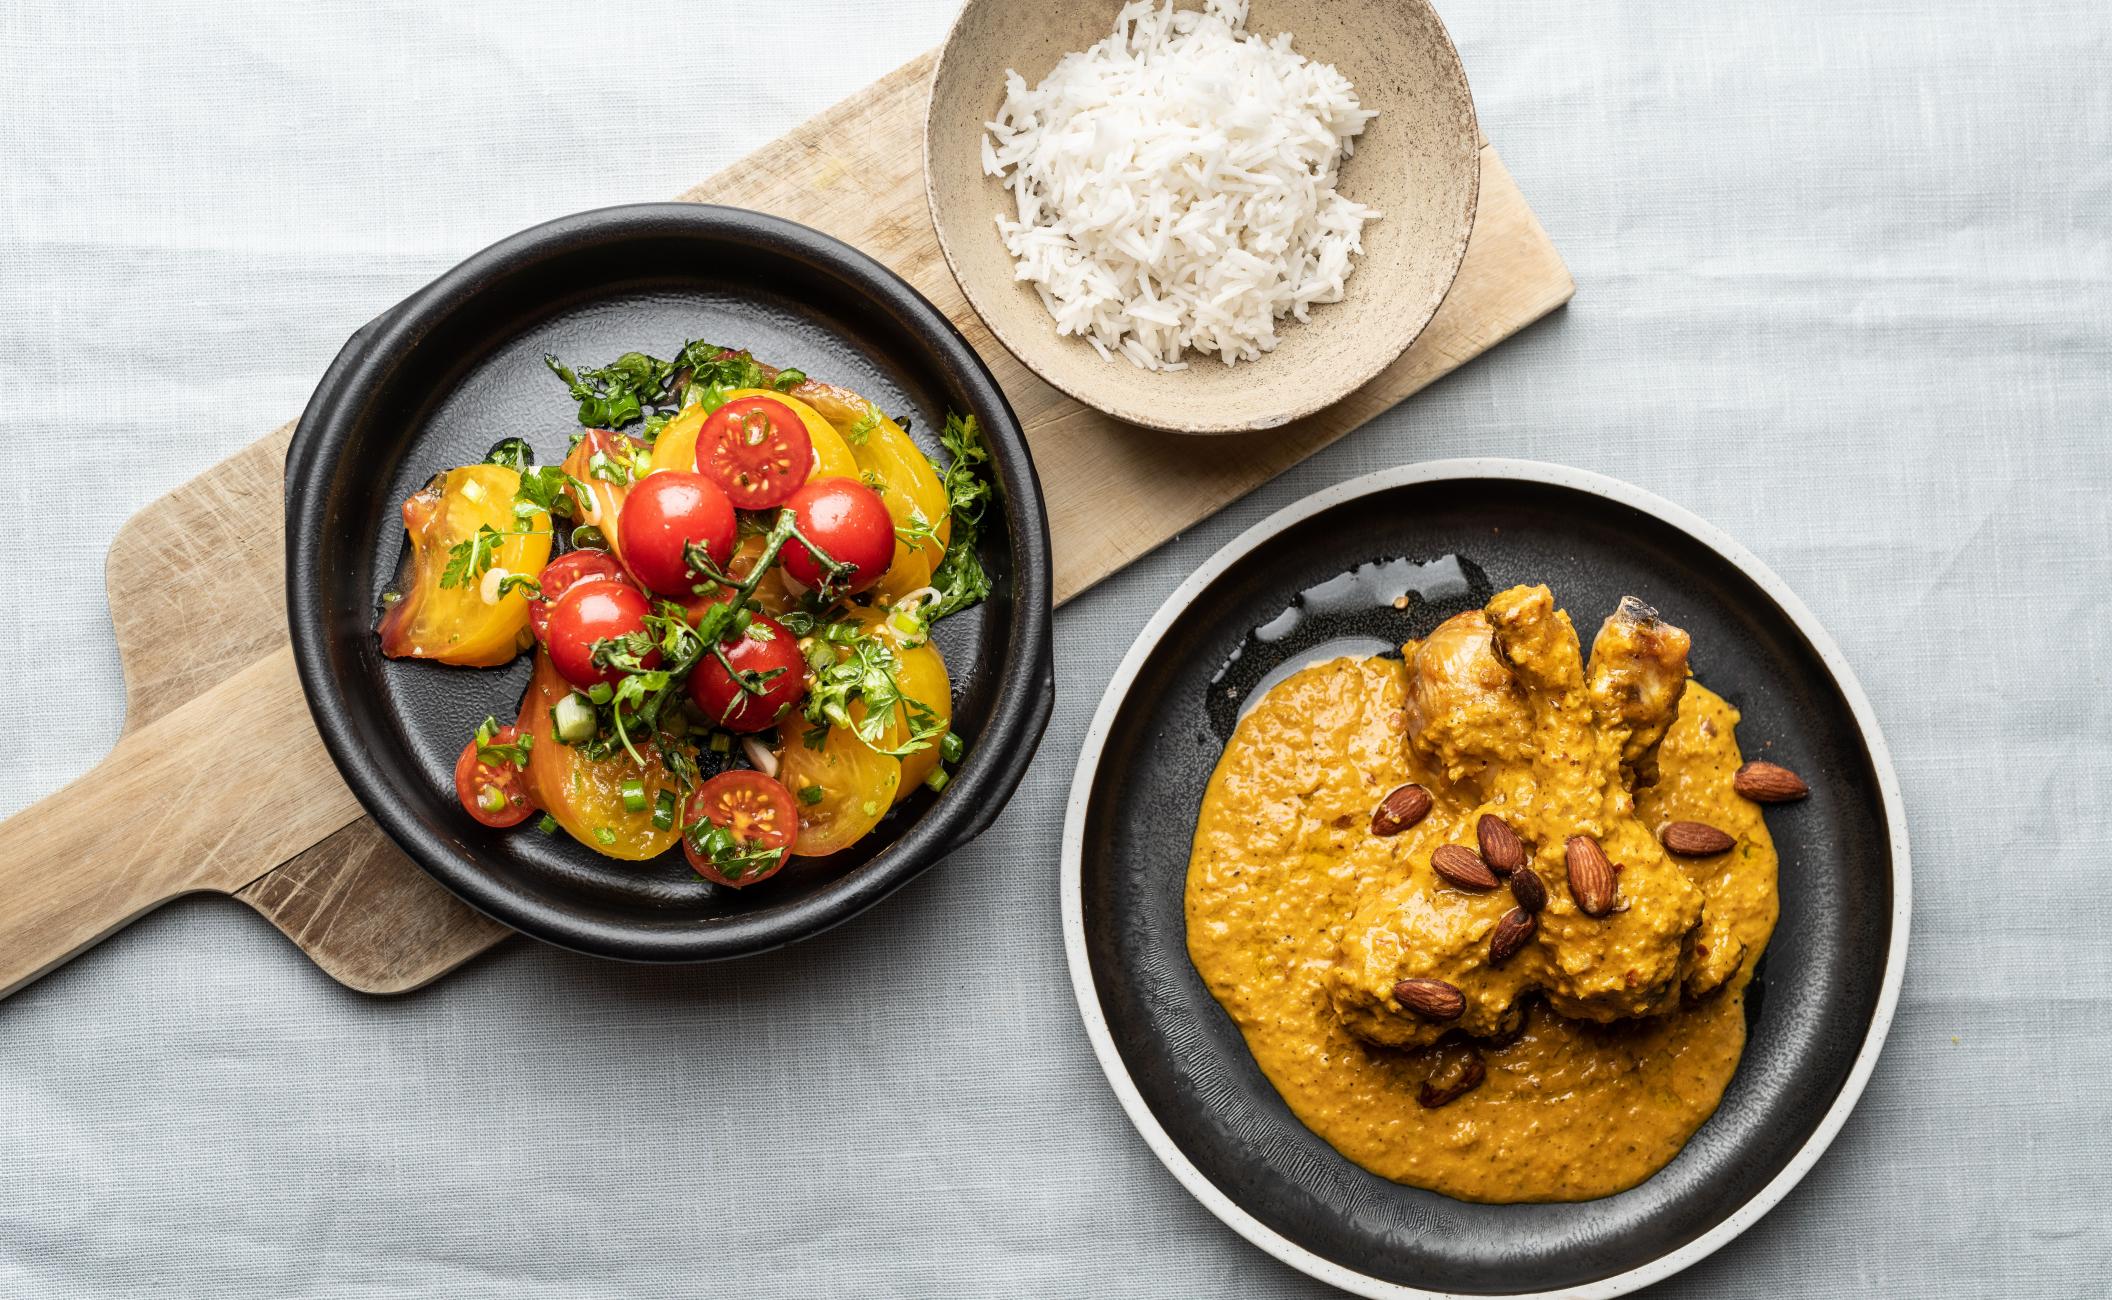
(459, 365)
(1317, 580)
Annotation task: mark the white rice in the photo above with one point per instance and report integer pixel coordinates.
(1175, 185)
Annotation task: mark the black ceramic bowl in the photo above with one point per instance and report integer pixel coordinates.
(1817, 1010)
(459, 365)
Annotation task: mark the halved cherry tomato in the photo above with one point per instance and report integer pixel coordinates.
(757, 812)
(848, 520)
(564, 573)
(589, 613)
(494, 793)
(457, 624)
(662, 516)
(757, 449)
(586, 795)
(832, 456)
(765, 648)
(893, 464)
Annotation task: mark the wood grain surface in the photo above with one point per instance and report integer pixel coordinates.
(196, 591)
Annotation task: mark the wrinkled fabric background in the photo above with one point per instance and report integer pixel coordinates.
(1845, 288)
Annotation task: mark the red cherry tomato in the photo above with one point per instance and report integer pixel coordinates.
(494, 793)
(766, 647)
(664, 513)
(759, 816)
(564, 573)
(757, 449)
(848, 520)
(588, 613)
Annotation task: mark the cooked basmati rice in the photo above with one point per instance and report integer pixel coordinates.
(1175, 185)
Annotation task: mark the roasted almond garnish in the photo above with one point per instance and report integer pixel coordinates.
(1431, 999)
(1463, 867)
(1769, 783)
(1448, 1083)
(1500, 846)
(1528, 889)
(1510, 935)
(1591, 880)
(1695, 839)
(1406, 806)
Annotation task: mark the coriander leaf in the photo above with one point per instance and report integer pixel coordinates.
(959, 576)
(468, 561)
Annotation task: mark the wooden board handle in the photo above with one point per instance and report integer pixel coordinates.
(208, 797)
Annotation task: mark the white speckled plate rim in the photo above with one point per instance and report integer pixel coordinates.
(1177, 604)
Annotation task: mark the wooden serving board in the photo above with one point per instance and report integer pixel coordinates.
(196, 594)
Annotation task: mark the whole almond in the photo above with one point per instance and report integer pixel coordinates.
(1769, 783)
(1463, 867)
(1695, 839)
(1401, 809)
(1431, 999)
(1500, 846)
(1510, 935)
(1591, 880)
(1528, 889)
(1459, 1082)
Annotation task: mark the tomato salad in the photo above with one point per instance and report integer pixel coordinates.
(734, 650)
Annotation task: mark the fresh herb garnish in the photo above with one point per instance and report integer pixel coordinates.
(865, 668)
(735, 859)
(640, 388)
(469, 560)
(959, 576)
(491, 754)
(543, 488)
(514, 453)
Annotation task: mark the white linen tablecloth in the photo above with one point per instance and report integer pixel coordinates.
(1845, 288)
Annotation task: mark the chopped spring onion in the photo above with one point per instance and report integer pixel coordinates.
(588, 537)
(492, 799)
(604, 835)
(633, 795)
(952, 747)
(937, 780)
(664, 811)
(721, 743)
(572, 718)
(601, 692)
(548, 825)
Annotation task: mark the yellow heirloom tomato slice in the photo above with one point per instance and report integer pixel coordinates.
(456, 615)
(921, 673)
(586, 795)
(855, 785)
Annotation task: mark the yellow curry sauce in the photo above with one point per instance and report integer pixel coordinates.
(1300, 918)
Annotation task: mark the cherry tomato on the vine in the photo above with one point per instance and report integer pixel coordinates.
(564, 573)
(766, 648)
(758, 449)
(846, 519)
(589, 613)
(759, 818)
(663, 514)
(495, 792)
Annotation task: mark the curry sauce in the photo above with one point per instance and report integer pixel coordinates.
(1606, 1041)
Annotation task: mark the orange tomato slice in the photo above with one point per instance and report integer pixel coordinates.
(586, 795)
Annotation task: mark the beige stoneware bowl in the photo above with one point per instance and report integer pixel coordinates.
(1418, 163)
